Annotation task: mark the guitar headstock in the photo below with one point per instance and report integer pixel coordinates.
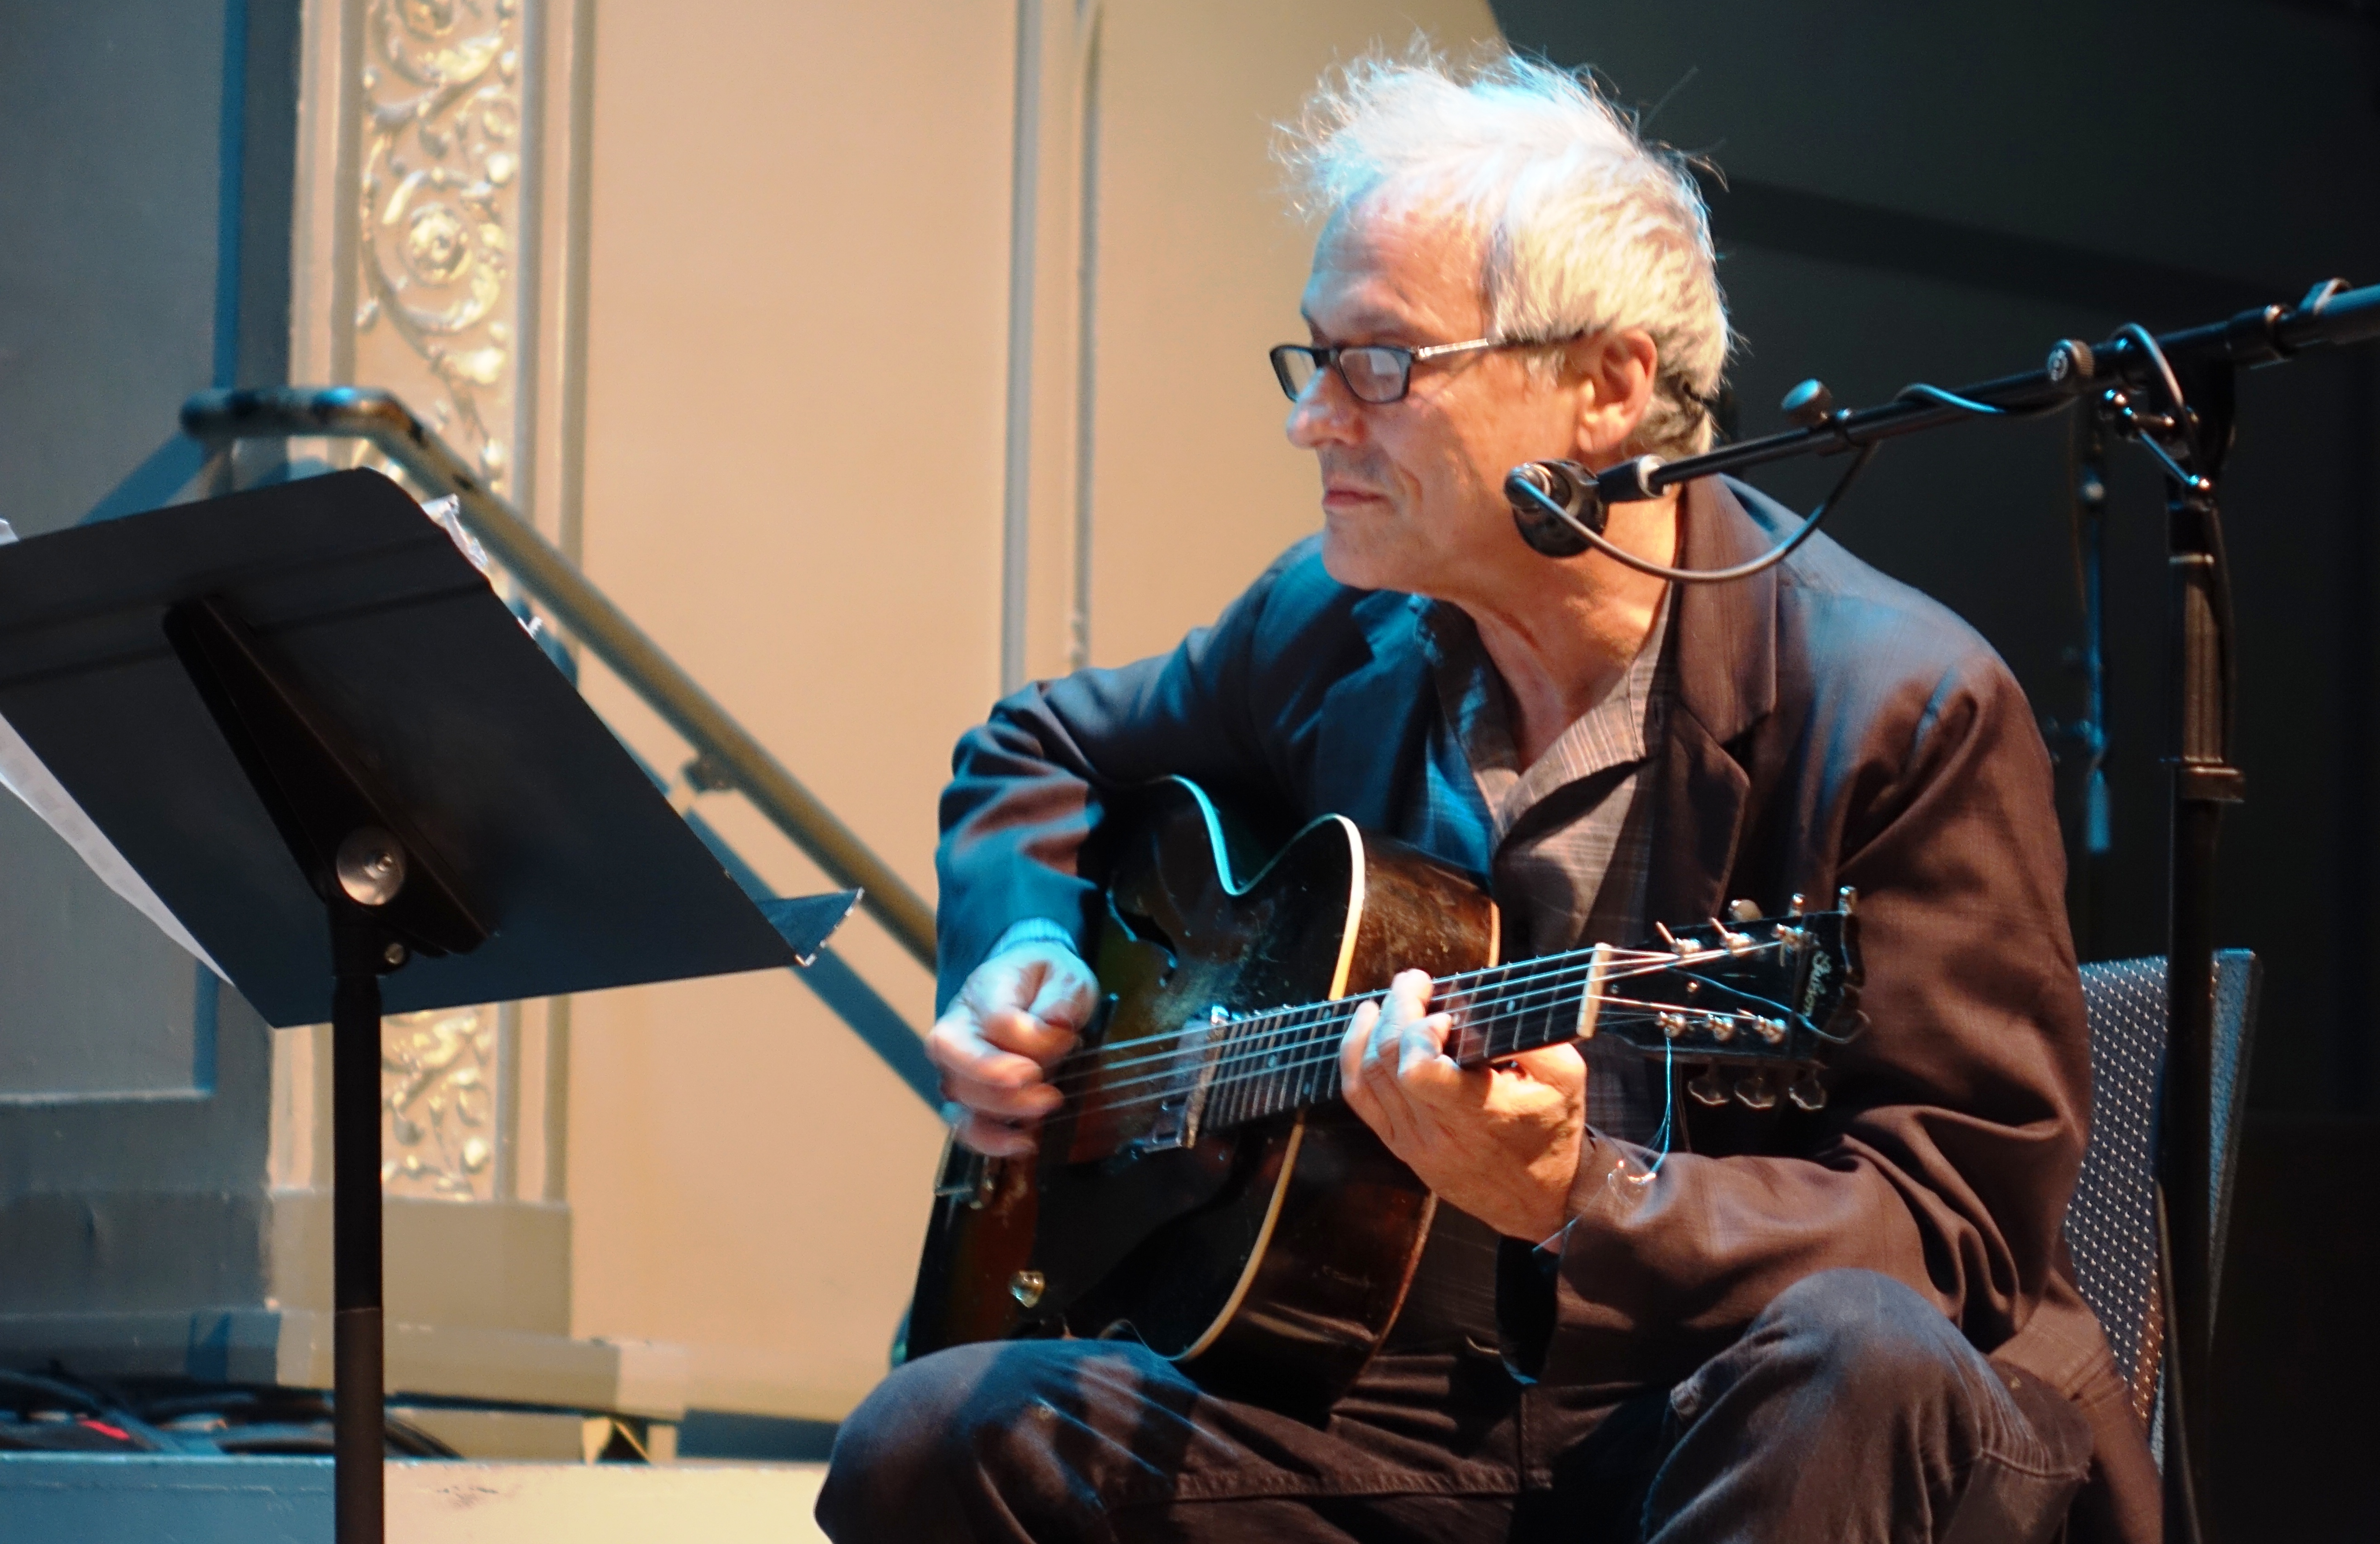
(1748, 998)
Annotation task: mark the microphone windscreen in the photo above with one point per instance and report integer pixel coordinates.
(1570, 487)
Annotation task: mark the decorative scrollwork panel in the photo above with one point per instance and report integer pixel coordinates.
(439, 1104)
(440, 208)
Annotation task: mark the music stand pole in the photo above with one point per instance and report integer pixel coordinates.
(343, 723)
(359, 1440)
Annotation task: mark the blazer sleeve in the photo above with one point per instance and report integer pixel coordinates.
(1947, 1152)
(1029, 784)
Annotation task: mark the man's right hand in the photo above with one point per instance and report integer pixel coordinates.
(1019, 1012)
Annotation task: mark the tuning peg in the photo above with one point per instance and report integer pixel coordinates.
(1743, 911)
(1806, 1091)
(1756, 1090)
(1706, 1088)
(1847, 900)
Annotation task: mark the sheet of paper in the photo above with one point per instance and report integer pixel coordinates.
(22, 773)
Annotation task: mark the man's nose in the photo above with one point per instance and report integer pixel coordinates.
(1325, 413)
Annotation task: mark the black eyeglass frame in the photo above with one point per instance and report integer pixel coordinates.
(1327, 356)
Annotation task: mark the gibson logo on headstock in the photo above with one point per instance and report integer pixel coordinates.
(1821, 965)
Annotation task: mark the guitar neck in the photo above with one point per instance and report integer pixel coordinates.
(1288, 1058)
(1770, 994)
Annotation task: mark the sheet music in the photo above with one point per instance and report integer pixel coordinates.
(22, 773)
(24, 777)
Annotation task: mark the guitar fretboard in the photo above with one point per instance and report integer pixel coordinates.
(1716, 995)
(1288, 1058)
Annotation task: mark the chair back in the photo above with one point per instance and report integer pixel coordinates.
(2111, 1226)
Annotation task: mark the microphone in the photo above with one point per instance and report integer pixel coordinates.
(1568, 487)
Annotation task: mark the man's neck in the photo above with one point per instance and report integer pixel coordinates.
(1561, 645)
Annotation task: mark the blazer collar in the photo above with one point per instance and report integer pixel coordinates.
(1694, 791)
(1374, 714)
(1726, 633)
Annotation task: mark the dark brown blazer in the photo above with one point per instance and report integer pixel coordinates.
(1831, 727)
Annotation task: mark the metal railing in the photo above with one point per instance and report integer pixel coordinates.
(728, 753)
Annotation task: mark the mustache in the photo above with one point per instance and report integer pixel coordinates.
(1366, 468)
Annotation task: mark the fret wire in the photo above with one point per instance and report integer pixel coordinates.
(1264, 1098)
(1227, 1091)
(1557, 1017)
(1632, 964)
(1324, 1064)
(1237, 1066)
(1327, 1067)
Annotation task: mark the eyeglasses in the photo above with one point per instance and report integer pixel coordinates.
(1374, 372)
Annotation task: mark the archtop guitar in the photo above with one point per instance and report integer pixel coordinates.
(1204, 1189)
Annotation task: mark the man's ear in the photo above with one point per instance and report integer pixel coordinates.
(1615, 371)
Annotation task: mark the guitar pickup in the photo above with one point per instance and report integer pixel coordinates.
(1178, 1113)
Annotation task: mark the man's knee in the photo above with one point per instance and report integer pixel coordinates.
(1848, 1342)
(1870, 1335)
(912, 1437)
(918, 1409)
(939, 1435)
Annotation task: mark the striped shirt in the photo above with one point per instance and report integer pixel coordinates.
(1555, 831)
(1551, 836)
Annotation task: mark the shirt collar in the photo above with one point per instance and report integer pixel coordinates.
(1615, 732)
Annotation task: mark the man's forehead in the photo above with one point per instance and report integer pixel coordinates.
(1384, 263)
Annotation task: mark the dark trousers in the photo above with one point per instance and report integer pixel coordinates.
(1850, 1410)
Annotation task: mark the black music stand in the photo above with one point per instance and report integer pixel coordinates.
(310, 725)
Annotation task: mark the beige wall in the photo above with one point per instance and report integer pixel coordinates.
(795, 312)
(1200, 271)
(798, 314)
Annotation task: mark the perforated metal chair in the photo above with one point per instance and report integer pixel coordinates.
(2111, 1227)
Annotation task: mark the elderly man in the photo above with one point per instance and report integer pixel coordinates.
(1852, 1325)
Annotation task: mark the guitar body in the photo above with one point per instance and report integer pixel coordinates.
(1269, 1257)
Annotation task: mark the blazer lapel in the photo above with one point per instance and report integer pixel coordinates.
(1372, 719)
(1724, 653)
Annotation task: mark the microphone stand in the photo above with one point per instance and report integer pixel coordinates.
(2173, 395)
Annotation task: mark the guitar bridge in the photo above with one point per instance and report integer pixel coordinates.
(1178, 1112)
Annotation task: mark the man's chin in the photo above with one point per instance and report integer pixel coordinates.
(1355, 561)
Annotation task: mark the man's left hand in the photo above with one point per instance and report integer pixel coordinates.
(1499, 1142)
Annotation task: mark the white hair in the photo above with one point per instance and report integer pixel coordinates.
(1586, 226)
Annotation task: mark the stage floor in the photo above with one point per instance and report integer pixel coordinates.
(77, 1499)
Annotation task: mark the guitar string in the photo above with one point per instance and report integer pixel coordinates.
(1105, 1097)
(1327, 1090)
(1450, 994)
(1624, 1011)
(1327, 1051)
(1315, 1053)
(1241, 1053)
(1455, 994)
(1669, 1107)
